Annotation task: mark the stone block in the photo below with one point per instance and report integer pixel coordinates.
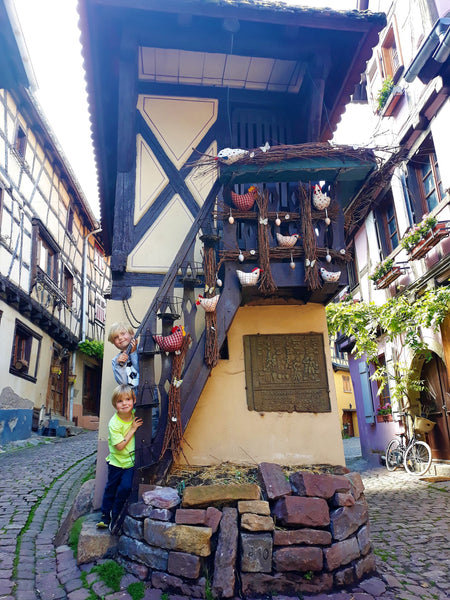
(81, 506)
(274, 480)
(133, 528)
(162, 497)
(153, 557)
(256, 507)
(93, 543)
(184, 565)
(365, 566)
(140, 510)
(160, 514)
(308, 537)
(290, 584)
(344, 577)
(342, 499)
(137, 569)
(356, 484)
(256, 552)
(190, 516)
(252, 522)
(224, 578)
(295, 511)
(213, 517)
(183, 538)
(318, 485)
(295, 558)
(202, 496)
(341, 553)
(348, 519)
(172, 584)
(363, 537)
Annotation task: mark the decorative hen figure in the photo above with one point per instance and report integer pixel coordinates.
(329, 276)
(231, 155)
(208, 304)
(321, 201)
(287, 240)
(171, 342)
(246, 201)
(249, 278)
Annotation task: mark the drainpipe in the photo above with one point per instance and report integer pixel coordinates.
(362, 5)
(439, 32)
(83, 319)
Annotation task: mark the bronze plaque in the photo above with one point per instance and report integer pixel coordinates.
(286, 373)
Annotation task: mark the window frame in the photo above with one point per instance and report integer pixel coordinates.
(346, 384)
(434, 173)
(67, 285)
(389, 66)
(41, 237)
(24, 336)
(382, 222)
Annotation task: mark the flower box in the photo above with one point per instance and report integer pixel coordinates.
(384, 281)
(439, 232)
(384, 418)
(391, 103)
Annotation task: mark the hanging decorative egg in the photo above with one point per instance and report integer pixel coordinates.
(219, 283)
(327, 218)
(292, 263)
(241, 257)
(328, 257)
(277, 221)
(231, 218)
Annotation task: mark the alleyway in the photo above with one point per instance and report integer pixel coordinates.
(409, 524)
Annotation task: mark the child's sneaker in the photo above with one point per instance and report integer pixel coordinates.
(104, 522)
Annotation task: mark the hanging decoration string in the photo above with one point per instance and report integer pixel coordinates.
(266, 283)
(210, 271)
(309, 238)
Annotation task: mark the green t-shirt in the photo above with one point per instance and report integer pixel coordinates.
(117, 430)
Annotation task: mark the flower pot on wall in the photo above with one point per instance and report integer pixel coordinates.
(384, 418)
(384, 281)
(439, 232)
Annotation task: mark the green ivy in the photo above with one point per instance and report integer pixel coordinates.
(92, 348)
(399, 320)
(384, 92)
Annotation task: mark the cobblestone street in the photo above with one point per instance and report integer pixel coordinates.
(409, 527)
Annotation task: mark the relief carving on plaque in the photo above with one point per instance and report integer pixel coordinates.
(286, 372)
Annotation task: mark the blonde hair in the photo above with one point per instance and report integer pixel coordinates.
(123, 388)
(117, 328)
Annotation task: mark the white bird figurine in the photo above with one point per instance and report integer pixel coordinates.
(287, 240)
(208, 304)
(249, 278)
(231, 155)
(329, 276)
(321, 201)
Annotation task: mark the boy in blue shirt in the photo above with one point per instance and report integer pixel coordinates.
(121, 443)
(126, 364)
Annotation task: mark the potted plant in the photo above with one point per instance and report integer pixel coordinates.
(384, 413)
(385, 273)
(422, 237)
(384, 93)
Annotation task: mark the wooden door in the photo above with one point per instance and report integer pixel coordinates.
(347, 423)
(436, 404)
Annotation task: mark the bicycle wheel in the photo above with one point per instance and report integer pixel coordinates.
(417, 458)
(393, 455)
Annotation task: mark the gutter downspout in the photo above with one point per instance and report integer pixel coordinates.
(427, 49)
(84, 297)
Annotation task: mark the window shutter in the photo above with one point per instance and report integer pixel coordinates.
(366, 392)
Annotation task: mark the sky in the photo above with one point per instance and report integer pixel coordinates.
(52, 37)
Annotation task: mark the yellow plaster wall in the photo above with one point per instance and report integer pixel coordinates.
(223, 429)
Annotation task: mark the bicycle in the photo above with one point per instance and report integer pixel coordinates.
(413, 454)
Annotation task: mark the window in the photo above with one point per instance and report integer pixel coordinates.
(91, 391)
(352, 270)
(25, 352)
(68, 286)
(20, 142)
(100, 308)
(428, 176)
(347, 386)
(45, 255)
(385, 393)
(387, 224)
(69, 226)
(390, 55)
(99, 261)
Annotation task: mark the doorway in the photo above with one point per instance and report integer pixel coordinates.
(435, 401)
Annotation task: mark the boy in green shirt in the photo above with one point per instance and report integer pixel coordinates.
(121, 429)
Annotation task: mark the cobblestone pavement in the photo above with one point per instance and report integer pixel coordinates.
(409, 527)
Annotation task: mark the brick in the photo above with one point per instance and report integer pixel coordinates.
(300, 511)
(274, 480)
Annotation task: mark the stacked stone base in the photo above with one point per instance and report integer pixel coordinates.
(308, 535)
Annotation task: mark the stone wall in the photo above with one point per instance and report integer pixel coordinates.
(308, 534)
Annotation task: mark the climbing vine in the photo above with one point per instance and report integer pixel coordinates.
(401, 320)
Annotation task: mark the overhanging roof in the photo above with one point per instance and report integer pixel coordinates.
(262, 47)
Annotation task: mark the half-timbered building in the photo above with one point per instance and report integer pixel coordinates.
(198, 108)
(53, 272)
